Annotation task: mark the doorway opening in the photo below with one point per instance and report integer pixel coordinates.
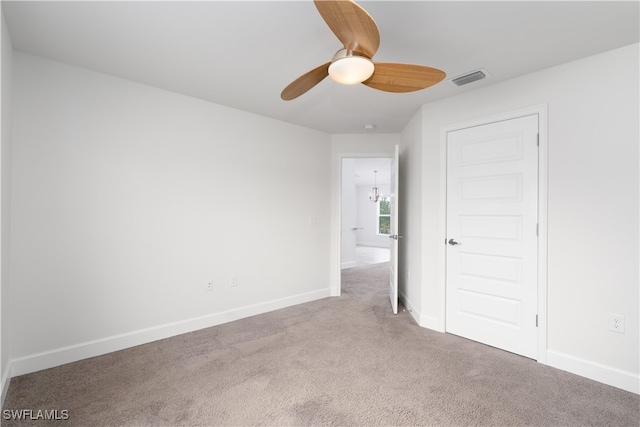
(365, 216)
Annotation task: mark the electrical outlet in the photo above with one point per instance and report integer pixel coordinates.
(233, 280)
(209, 286)
(616, 323)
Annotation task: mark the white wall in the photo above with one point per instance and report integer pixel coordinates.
(127, 200)
(5, 207)
(367, 234)
(593, 256)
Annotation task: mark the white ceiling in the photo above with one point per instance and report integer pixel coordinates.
(242, 54)
(364, 168)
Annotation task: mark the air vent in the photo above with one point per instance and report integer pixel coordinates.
(469, 78)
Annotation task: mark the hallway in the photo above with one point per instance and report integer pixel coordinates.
(371, 255)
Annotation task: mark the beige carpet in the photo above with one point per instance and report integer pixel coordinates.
(339, 361)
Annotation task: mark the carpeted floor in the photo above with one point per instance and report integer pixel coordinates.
(338, 361)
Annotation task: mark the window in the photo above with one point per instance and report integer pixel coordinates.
(384, 215)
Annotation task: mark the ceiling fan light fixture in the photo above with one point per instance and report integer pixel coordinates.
(360, 38)
(349, 68)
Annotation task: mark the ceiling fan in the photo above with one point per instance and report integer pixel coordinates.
(358, 32)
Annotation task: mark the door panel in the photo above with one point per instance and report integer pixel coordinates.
(492, 196)
(486, 307)
(490, 188)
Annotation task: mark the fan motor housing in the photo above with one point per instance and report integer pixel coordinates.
(349, 67)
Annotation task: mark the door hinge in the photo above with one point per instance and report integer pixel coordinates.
(537, 229)
(538, 140)
(536, 320)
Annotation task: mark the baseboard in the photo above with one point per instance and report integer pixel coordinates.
(348, 264)
(432, 323)
(61, 356)
(412, 310)
(6, 379)
(374, 244)
(595, 371)
(422, 320)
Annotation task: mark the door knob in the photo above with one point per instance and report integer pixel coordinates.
(395, 236)
(453, 242)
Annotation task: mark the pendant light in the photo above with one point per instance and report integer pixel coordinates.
(374, 196)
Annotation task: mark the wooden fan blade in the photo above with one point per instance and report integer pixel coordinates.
(399, 78)
(305, 82)
(353, 26)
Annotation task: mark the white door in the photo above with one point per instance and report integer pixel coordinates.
(393, 273)
(492, 216)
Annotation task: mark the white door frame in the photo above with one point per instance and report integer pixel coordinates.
(543, 127)
(338, 214)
